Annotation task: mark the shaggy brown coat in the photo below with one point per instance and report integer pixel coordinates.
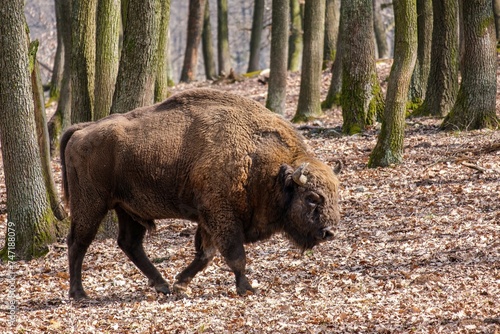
(224, 161)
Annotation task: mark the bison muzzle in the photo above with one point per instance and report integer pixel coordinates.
(224, 161)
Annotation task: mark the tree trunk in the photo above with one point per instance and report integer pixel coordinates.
(276, 94)
(379, 29)
(442, 84)
(390, 143)
(107, 55)
(335, 89)
(161, 84)
(137, 70)
(223, 38)
(194, 30)
(208, 45)
(83, 60)
(295, 41)
(496, 11)
(28, 207)
(57, 69)
(418, 85)
(62, 117)
(332, 20)
(475, 105)
(309, 105)
(361, 97)
(43, 134)
(257, 23)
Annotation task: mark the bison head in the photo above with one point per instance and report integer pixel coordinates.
(312, 208)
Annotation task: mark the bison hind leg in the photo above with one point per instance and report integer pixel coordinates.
(130, 237)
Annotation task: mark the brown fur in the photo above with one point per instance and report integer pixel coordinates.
(215, 158)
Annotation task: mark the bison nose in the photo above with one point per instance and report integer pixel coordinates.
(327, 233)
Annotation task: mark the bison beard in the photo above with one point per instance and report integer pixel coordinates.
(241, 172)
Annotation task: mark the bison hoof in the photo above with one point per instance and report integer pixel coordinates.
(180, 287)
(245, 290)
(77, 295)
(163, 288)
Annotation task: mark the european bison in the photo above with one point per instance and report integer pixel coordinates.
(238, 170)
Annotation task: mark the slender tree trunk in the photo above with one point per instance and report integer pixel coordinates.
(62, 117)
(379, 29)
(195, 28)
(208, 45)
(309, 105)
(475, 105)
(418, 85)
(107, 55)
(137, 70)
(276, 94)
(295, 41)
(332, 20)
(257, 23)
(361, 97)
(223, 38)
(335, 89)
(442, 84)
(390, 143)
(28, 207)
(83, 60)
(57, 69)
(496, 11)
(161, 84)
(43, 135)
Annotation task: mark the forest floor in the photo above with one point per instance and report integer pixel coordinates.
(417, 250)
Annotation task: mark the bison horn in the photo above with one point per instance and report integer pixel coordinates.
(298, 176)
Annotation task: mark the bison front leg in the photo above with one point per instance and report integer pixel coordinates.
(130, 236)
(204, 253)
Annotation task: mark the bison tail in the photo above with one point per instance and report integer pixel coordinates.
(64, 141)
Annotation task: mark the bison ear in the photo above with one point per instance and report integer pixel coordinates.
(285, 176)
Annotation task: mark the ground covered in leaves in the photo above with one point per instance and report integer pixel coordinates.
(417, 250)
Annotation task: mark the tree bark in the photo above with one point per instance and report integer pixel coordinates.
(332, 20)
(257, 23)
(309, 105)
(361, 97)
(418, 85)
(107, 56)
(496, 11)
(28, 207)
(137, 69)
(161, 84)
(442, 84)
(379, 29)
(390, 143)
(475, 104)
(208, 45)
(276, 94)
(223, 53)
(57, 69)
(295, 41)
(194, 30)
(83, 60)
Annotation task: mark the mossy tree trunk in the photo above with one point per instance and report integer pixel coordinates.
(475, 104)
(83, 60)
(208, 45)
(418, 85)
(28, 206)
(379, 29)
(335, 89)
(107, 55)
(276, 93)
(361, 96)
(295, 40)
(442, 84)
(255, 37)
(194, 30)
(223, 54)
(137, 69)
(309, 105)
(161, 83)
(390, 143)
(62, 117)
(332, 20)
